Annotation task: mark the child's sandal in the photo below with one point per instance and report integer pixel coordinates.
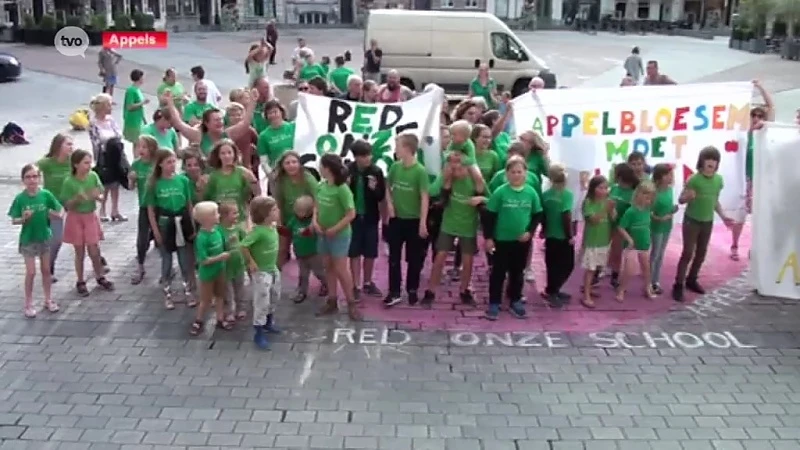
(241, 315)
(191, 303)
(735, 253)
(169, 304)
(197, 327)
(30, 312)
(589, 303)
(620, 297)
(51, 306)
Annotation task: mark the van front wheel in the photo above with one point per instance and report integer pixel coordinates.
(520, 87)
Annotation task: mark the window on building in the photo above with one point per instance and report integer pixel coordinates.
(258, 8)
(471, 3)
(505, 47)
(313, 18)
(171, 6)
(644, 10)
(155, 8)
(447, 3)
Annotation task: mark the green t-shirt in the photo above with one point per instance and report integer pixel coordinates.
(596, 235)
(37, 228)
(206, 144)
(338, 77)
(234, 266)
(304, 241)
(195, 110)
(192, 187)
(538, 165)
(143, 169)
(500, 145)
(636, 222)
(54, 173)
(135, 118)
(500, 179)
(333, 202)
(168, 139)
(488, 163)
(466, 148)
(262, 242)
(622, 197)
(555, 202)
(663, 205)
(289, 191)
(707, 192)
(74, 186)
(274, 142)
(171, 195)
(407, 185)
(229, 188)
(479, 90)
(209, 244)
(259, 122)
(177, 92)
(310, 71)
(460, 218)
(514, 207)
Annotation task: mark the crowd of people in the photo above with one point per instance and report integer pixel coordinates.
(221, 189)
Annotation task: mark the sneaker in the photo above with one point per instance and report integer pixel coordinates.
(492, 311)
(299, 297)
(413, 298)
(677, 292)
(517, 310)
(372, 290)
(554, 301)
(694, 286)
(391, 300)
(657, 289)
(467, 298)
(260, 338)
(564, 297)
(529, 276)
(270, 327)
(428, 298)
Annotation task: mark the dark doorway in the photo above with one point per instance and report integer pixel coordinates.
(204, 11)
(38, 10)
(258, 8)
(346, 11)
(424, 5)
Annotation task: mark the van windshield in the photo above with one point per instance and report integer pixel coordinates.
(506, 47)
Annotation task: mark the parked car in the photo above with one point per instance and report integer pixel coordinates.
(10, 67)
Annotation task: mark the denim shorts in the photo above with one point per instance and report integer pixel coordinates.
(336, 247)
(110, 80)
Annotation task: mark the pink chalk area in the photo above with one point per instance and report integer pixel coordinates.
(449, 314)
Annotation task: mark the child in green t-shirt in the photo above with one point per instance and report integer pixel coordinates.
(211, 255)
(461, 144)
(32, 208)
(621, 193)
(234, 267)
(260, 249)
(141, 168)
(559, 251)
(304, 242)
(634, 228)
(664, 208)
(598, 214)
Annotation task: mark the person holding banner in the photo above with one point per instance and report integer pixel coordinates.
(701, 197)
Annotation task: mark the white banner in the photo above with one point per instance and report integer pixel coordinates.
(774, 264)
(590, 130)
(330, 125)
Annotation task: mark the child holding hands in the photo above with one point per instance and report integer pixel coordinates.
(598, 212)
(304, 242)
(664, 208)
(32, 208)
(634, 228)
(209, 247)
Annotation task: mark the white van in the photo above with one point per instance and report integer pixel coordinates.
(446, 47)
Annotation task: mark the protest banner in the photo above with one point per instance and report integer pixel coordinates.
(593, 129)
(331, 125)
(774, 263)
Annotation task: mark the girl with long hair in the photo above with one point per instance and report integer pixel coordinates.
(290, 181)
(228, 181)
(146, 149)
(81, 192)
(54, 168)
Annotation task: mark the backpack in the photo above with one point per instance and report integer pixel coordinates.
(13, 134)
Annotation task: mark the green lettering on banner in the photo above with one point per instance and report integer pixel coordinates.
(380, 144)
(362, 117)
(621, 150)
(655, 147)
(327, 144)
(538, 128)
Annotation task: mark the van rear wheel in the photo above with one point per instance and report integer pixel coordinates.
(520, 87)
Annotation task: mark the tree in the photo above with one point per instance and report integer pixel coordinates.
(789, 11)
(754, 14)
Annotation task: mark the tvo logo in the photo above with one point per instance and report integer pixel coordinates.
(72, 41)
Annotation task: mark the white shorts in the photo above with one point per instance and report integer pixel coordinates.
(594, 257)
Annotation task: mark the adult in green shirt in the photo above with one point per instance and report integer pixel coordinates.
(306, 69)
(177, 94)
(338, 77)
(133, 114)
(701, 197)
(193, 111)
(559, 256)
(277, 137)
(161, 130)
(484, 86)
(54, 168)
